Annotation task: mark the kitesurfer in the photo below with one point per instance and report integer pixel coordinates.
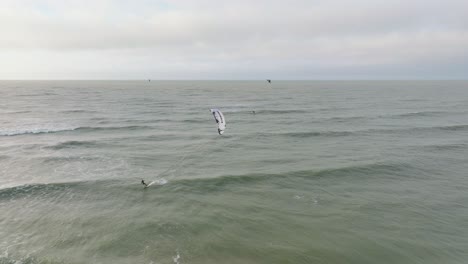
(144, 183)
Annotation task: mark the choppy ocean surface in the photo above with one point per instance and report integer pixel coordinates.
(323, 172)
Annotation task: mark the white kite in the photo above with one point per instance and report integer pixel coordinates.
(219, 118)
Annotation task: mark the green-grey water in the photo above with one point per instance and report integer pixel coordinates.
(323, 172)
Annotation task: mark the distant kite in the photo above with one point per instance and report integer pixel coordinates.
(269, 81)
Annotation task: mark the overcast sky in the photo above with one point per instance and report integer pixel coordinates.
(238, 39)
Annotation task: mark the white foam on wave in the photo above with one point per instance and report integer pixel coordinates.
(22, 131)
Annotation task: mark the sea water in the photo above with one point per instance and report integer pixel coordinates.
(306, 172)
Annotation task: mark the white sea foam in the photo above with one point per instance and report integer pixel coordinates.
(38, 130)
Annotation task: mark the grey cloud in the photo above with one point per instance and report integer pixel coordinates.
(217, 38)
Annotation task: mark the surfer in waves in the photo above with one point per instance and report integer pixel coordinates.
(144, 183)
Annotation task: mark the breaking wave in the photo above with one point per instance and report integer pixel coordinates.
(34, 131)
(57, 130)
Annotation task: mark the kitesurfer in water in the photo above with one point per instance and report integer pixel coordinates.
(144, 183)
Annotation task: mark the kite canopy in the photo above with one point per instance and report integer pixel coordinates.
(219, 118)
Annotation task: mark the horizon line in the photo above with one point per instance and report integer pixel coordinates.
(241, 80)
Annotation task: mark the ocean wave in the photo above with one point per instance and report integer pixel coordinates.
(36, 188)
(420, 129)
(403, 115)
(308, 134)
(279, 112)
(369, 169)
(34, 131)
(194, 121)
(73, 143)
(17, 112)
(438, 147)
(51, 189)
(453, 127)
(104, 122)
(27, 260)
(417, 114)
(167, 120)
(72, 111)
(315, 134)
(160, 137)
(219, 183)
(38, 94)
(67, 159)
(98, 118)
(114, 128)
(57, 130)
(346, 118)
(411, 130)
(364, 170)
